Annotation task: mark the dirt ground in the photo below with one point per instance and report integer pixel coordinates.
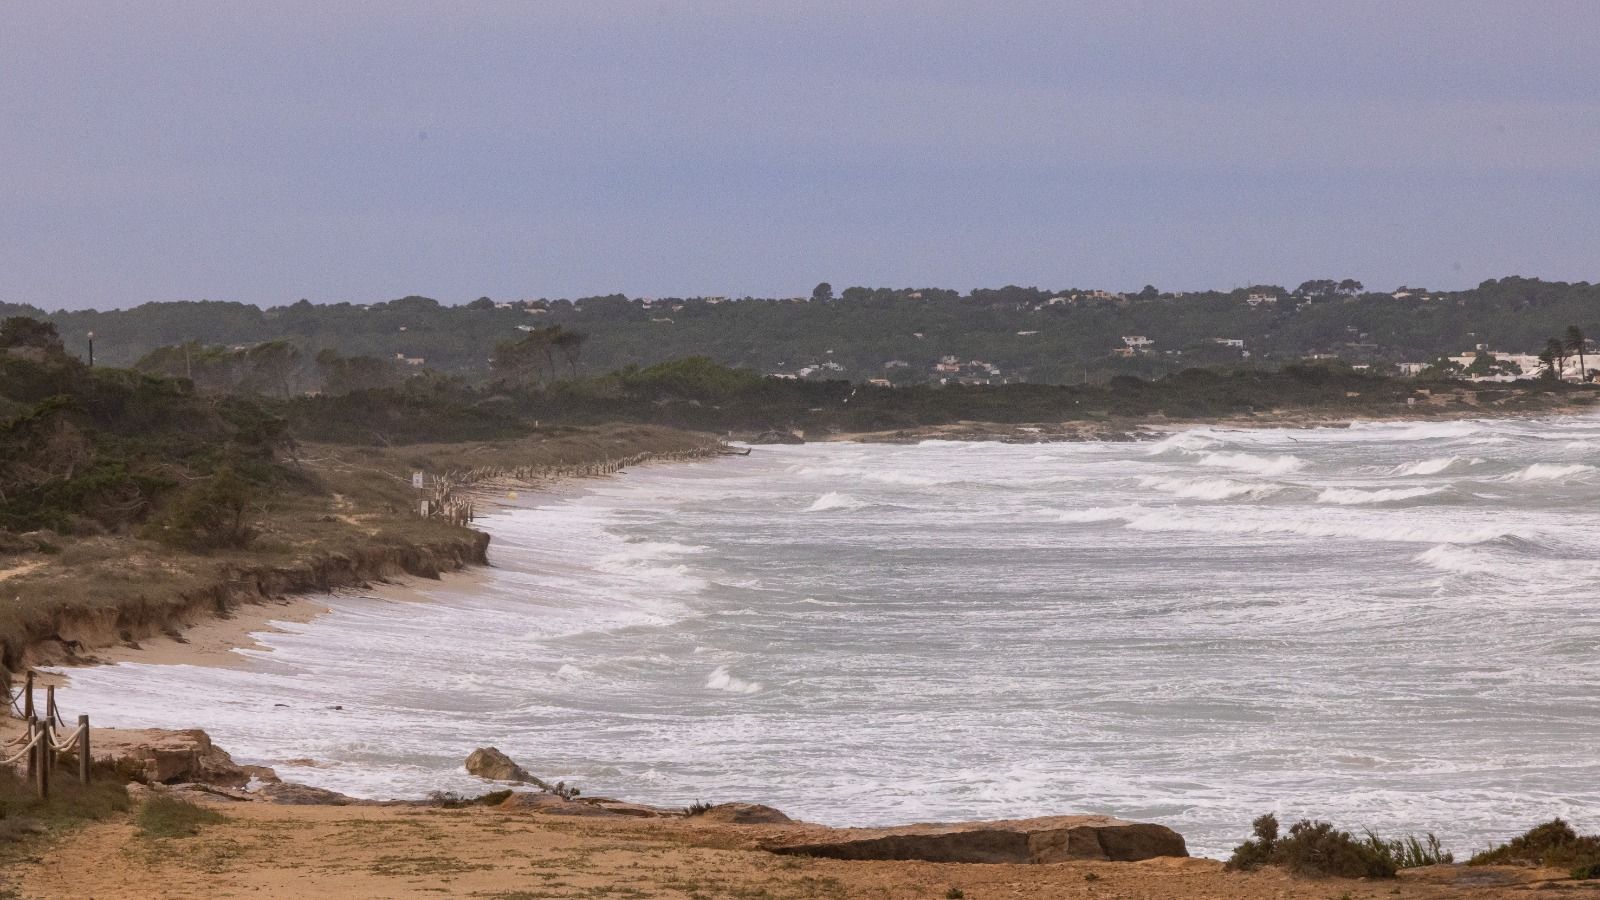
(267, 850)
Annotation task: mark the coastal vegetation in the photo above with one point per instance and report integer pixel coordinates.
(697, 393)
(1054, 335)
(1318, 849)
(131, 502)
(1554, 844)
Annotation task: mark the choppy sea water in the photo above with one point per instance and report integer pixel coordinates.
(1390, 625)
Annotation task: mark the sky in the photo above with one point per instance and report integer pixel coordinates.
(360, 151)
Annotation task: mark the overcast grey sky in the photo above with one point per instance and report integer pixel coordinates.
(265, 152)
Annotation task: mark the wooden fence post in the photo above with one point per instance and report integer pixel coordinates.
(41, 772)
(33, 749)
(27, 697)
(83, 749)
(45, 746)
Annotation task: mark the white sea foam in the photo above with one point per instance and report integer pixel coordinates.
(835, 500)
(1281, 464)
(1209, 488)
(1099, 514)
(1422, 431)
(1357, 496)
(1549, 472)
(1376, 530)
(721, 679)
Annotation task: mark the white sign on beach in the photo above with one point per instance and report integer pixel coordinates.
(416, 480)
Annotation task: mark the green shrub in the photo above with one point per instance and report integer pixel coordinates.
(1410, 853)
(1553, 843)
(1255, 853)
(1313, 849)
(164, 816)
(697, 808)
(210, 515)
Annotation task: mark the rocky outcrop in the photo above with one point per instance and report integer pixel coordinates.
(743, 814)
(490, 763)
(1045, 840)
(159, 756)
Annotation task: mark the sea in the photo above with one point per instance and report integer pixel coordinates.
(1392, 626)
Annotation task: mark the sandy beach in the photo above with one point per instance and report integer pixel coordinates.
(263, 849)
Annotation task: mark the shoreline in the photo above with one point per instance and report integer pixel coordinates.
(215, 642)
(1148, 427)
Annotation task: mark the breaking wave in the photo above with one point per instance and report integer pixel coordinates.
(1209, 488)
(835, 500)
(1433, 466)
(1458, 560)
(1281, 464)
(1549, 472)
(1184, 440)
(721, 679)
(1357, 496)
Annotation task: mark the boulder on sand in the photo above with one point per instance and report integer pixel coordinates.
(1044, 840)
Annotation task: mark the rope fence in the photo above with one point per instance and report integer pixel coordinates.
(46, 739)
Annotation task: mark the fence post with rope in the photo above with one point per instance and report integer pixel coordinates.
(43, 743)
(41, 758)
(50, 720)
(83, 749)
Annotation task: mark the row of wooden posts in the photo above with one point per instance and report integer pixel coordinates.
(41, 748)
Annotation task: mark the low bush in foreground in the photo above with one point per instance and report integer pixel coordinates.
(1553, 844)
(162, 816)
(1318, 849)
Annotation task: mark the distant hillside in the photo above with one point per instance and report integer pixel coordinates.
(901, 335)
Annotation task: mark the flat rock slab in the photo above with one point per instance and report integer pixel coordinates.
(1051, 839)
